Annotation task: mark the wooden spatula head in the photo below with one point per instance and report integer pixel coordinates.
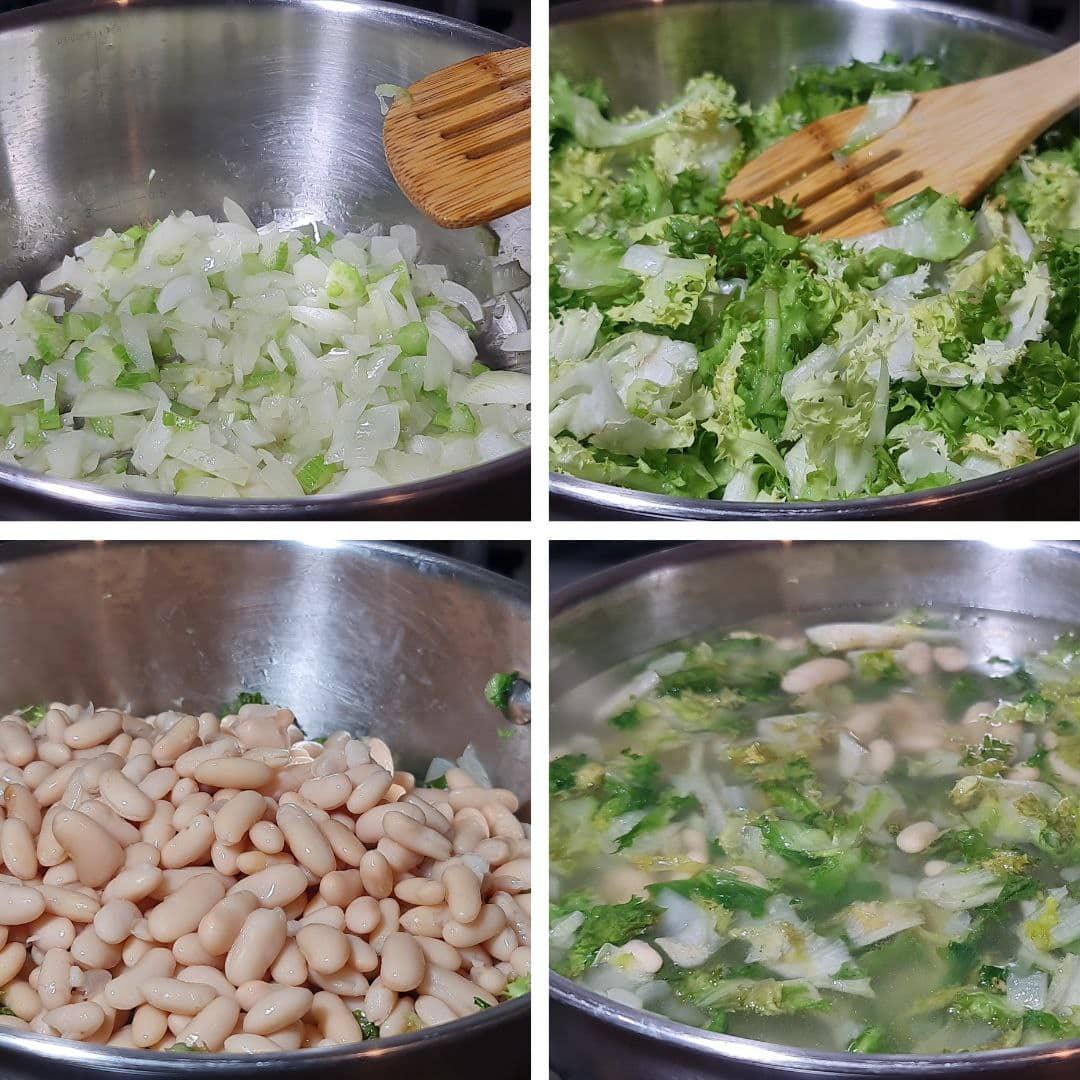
(957, 139)
(458, 141)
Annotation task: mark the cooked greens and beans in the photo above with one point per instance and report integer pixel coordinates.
(848, 836)
(205, 883)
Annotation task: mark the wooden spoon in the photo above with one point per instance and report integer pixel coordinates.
(957, 139)
(458, 141)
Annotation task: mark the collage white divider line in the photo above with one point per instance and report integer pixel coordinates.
(539, 830)
(538, 266)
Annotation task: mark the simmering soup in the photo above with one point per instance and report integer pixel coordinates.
(853, 836)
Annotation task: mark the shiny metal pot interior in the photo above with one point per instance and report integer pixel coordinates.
(634, 608)
(271, 103)
(645, 51)
(376, 638)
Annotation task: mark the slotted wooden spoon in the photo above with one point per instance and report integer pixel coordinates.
(458, 141)
(957, 139)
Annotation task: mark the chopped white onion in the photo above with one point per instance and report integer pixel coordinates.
(206, 357)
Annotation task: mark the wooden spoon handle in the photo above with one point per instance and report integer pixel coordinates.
(1040, 93)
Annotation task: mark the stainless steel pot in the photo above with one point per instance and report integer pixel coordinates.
(270, 102)
(646, 50)
(641, 605)
(371, 637)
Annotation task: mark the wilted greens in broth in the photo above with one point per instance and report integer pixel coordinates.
(859, 838)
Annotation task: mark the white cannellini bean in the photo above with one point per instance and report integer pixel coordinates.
(213, 1024)
(882, 756)
(277, 1009)
(950, 658)
(813, 674)
(232, 821)
(325, 948)
(114, 921)
(917, 837)
(257, 945)
(76, 1021)
(96, 854)
(177, 996)
(180, 873)
(19, 904)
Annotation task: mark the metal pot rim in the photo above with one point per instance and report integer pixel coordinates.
(733, 1047)
(390, 12)
(646, 504)
(78, 493)
(581, 9)
(593, 585)
(113, 1059)
(792, 1059)
(429, 562)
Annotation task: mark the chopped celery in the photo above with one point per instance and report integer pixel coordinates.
(316, 473)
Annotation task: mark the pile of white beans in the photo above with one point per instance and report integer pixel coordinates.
(228, 885)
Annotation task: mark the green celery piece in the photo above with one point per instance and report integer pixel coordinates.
(412, 339)
(185, 476)
(456, 418)
(143, 301)
(32, 436)
(78, 327)
(316, 473)
(181, 423)
(103, 426)
(49, 419)
(281, 256)
(124, 260)
(162, 346)
(134, 380)
(272, 378)
(344, 284)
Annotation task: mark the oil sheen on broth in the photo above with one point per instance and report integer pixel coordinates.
(849, 835)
